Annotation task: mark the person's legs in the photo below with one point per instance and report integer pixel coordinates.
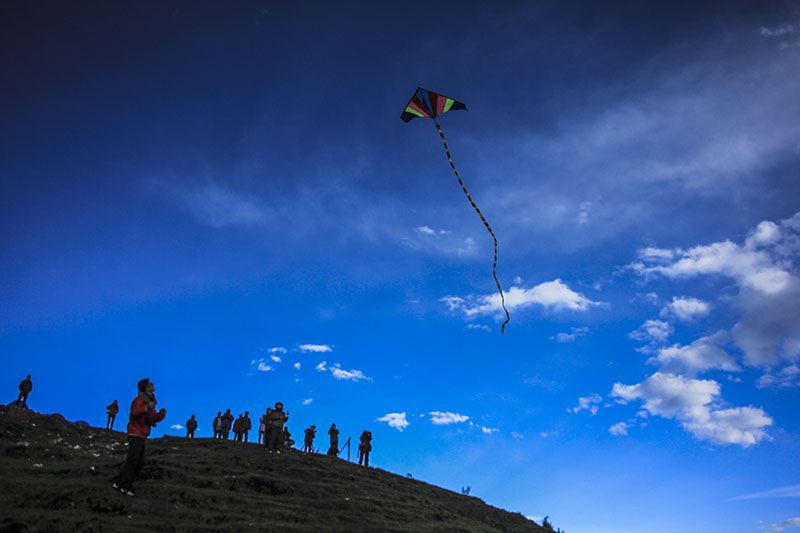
(133, 462)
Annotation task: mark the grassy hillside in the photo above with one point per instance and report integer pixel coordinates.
(54, 476)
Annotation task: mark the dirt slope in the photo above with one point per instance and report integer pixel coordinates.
(54, 476)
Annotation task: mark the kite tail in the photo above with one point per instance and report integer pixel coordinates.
(485, 223)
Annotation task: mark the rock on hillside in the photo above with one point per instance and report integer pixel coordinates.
(54, 476)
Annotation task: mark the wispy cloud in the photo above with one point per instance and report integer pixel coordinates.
(777, 31)
(216, 205)
(277, 349)
(570, 337)
(261, 365)
(686, 309)
(308, 401)
(341, 374)
(587, 403)
(791, 522)
(703, 354)
(620, 429)
(789, 491)
(652, 331)
(395, 420)
(314, 348)
(439, 418)
(554, 295)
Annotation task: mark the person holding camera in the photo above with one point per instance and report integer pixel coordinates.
(143, 416)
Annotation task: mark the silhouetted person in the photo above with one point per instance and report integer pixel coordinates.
(237, 429)
(111, 410)
(277, 419)
(143, 416)
(365, 447)
(287, 438)
(227, 421)
(334, 433)
(25, 388)
(246, 425)
(191, 426)
(263, 428)
(308, 445)
(218, 425)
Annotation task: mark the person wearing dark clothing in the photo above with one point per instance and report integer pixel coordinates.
(308, 445)
(244, 428)
(227, 421)
(263, 430)
(237, 429)
(25, 388)
(277, 419)
(287, 438)
(218, 425)
(191, 426)
(112, 410)
(143, 416)
(334, 434)
(365, 447)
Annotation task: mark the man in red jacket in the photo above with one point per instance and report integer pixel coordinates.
(143, 416)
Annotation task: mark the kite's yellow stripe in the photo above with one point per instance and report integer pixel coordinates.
(448, 104)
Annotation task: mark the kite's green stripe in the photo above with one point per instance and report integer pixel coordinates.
(448, 104)
(410, 109)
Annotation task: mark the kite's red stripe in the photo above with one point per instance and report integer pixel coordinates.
(440, 101)
(485, 223)
(413, 105)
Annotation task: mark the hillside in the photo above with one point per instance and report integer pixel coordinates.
(54, 476)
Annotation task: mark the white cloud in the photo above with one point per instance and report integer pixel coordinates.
(789, 491)
(277, 349)
(395, 420)
(690, 402)
(488, 431)
(314, 348)
(620, 429)
(686, 309)
(275, 358)
(483, 327)
(176, 426)
(297, 366)
(791, 522)
(425, 230)
(262, 366)
(777, 31)
(654, 331)
(517, 435)
(551, 295)
(570, 337)
(307, 401)
(321, 367)
(588, 403)
(350, 375)
(701, 355)
(217, 206)
(439, 418)
(788, 376)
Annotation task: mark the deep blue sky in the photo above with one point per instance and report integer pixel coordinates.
(224, 199)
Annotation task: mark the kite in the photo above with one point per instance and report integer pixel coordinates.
(425, 103)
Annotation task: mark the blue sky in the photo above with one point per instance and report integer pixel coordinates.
(226, 201)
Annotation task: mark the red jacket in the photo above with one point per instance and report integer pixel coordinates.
(140, 412)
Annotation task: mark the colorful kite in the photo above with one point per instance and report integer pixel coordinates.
(425, 103)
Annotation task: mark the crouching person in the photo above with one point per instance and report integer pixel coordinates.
(143, 416)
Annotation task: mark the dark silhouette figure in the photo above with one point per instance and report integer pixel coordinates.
(227, 422)
(25, 388)
(308, 445)
(143, 416)
(288, 442)
(277, 419)
(334, 433)
(111, 411)
(365, 447)
(218, 425)
(266, 424)
(244, 428)
(237, 429)
(191, 426)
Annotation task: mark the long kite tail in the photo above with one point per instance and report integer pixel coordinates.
(485, 223)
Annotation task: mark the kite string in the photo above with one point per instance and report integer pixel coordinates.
(485, 223)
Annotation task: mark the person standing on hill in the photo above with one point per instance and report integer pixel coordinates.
(334, 434)
(237, 429)
(311, 432)
(191, 426)
(263, 429)
(218, 425)
(286, 439)
(143, 416)
(25, 388)
(246, 425)
(365, 447)
(227, 420)
(277, 419)
(111, 410)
